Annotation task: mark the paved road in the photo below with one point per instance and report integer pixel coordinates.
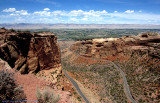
(76, 86)
(125, 83)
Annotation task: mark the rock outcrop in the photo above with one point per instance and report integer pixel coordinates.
(30, 52)
(103, 48)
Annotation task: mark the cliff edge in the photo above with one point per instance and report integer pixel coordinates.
(30, 52)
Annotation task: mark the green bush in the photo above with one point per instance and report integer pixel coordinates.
(47, 96)
(9, 90)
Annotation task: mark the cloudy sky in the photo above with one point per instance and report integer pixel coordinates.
(80, 11)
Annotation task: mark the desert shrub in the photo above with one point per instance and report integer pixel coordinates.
(149, 34)
(12, 30)
(3, 28)
(9, 90)
(47, 96)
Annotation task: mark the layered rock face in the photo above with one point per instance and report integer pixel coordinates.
(30, 52)
(103, 48)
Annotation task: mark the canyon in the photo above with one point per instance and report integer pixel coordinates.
(101, 68)
(137, 56)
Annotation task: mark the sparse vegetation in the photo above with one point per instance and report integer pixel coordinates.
(140, 64)
(85, 34)
(12, 30)
(9, 90)
(142, 72)
(3, 28)
(47, 96)
(102, 78)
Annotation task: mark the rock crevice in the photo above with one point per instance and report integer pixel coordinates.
(30, 52)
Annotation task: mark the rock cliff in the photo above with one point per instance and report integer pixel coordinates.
(106, 47)
(30, 52)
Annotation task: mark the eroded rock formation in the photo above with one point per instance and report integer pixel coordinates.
(103, 48)
(30, 52)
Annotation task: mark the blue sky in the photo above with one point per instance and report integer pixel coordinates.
(80, 11)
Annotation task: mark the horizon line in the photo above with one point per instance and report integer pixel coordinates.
(76, 24)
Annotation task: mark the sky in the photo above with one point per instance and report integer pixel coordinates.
(80, 11)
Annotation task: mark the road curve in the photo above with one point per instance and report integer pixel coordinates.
(125, 83)
(76, 86)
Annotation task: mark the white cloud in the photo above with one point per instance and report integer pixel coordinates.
(76, 13)
(59, 13)
(42, 13)
(84, 19)
(14, 12)
(104, 12)
(95, 13)
(79, 16)
(87, 13)
(91, 13)
(129, 11)
(22, 12)
(74, 19)
(46, 9)
(9, 10)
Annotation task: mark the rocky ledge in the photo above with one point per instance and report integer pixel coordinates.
(30, 52)
(106, 47)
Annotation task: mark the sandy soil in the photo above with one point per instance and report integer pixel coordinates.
(30, 83)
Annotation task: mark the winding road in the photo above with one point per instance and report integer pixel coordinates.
(76, 86)
(125, 83)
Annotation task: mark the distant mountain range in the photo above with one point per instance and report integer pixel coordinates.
(79, 26)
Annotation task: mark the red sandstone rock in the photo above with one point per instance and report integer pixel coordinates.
(28, 52)
(117, 46)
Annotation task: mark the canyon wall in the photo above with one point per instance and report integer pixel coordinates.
(30, 52)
